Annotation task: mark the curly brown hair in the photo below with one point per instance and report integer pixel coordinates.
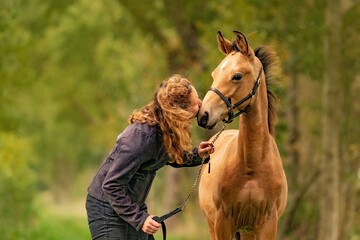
(169, 110)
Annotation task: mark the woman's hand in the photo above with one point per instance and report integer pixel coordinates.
(150, 226)
(205, 149)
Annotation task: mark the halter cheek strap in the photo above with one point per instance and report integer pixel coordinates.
(231, 107)
(228, 103)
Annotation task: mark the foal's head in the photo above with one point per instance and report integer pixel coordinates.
(234, 77)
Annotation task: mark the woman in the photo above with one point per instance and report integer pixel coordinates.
(158, 135)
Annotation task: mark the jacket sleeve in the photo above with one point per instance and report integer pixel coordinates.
(191, 159)
(131, 149)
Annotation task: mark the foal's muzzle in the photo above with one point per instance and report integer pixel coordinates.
(203, 120)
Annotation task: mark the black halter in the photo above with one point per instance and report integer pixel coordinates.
(231, 115)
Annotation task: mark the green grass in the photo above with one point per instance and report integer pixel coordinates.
(51, 227)
(170, 236)
(67, 221)
(54, 227)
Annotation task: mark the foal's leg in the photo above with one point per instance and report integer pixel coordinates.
(211, 228)
(222, 227)
(268, 231)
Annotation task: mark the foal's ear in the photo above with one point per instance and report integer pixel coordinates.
(224, 44)
(241, 43)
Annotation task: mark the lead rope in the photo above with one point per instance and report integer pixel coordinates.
(182, 206)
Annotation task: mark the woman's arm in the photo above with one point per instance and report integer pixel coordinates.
(195, 158)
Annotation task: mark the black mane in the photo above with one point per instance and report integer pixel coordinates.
(270, 62)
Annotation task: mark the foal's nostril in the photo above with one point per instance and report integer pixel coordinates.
(203, 120)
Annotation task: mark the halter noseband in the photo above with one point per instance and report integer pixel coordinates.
(231, 115)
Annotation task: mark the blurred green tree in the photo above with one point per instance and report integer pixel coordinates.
(18, 186)
(72, 71)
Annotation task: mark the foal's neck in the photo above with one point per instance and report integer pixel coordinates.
(254, 135)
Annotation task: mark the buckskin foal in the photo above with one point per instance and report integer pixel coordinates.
(246, 191)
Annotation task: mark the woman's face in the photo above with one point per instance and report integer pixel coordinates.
(195, 103)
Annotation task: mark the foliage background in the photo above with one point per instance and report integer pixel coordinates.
(72, 71)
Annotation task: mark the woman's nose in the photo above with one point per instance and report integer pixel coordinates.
(200, 103)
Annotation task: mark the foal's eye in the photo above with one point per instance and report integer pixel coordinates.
(237, 77)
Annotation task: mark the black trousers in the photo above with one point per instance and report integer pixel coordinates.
(105, 224)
